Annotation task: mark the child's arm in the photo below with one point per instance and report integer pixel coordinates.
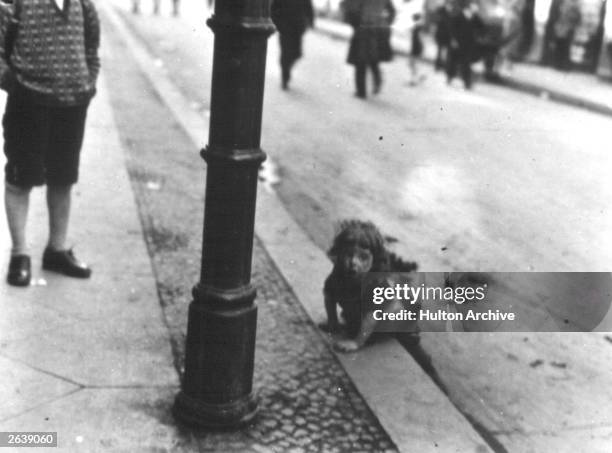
(366, 328)
(368, 324)
(332, 324)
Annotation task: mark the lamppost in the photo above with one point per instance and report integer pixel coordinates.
(217, 384)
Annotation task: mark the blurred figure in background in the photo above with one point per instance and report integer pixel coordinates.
(465, 26)
(564, 28)
(371, 41)
(292, 18)
(511, 38)
(416, 49)
(156, 5)
(498, 40)
(442, 35)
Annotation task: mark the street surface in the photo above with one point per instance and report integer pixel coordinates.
(501, 180)
(490, 180)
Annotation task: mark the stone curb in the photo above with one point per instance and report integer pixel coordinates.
(411, 409)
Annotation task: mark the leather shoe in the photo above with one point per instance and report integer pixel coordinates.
(64, 262)
(19, 271)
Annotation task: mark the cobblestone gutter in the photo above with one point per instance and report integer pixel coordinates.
(307, 402)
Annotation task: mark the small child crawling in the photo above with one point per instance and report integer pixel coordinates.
(358, 248)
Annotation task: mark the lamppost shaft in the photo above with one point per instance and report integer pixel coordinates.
(217, 386)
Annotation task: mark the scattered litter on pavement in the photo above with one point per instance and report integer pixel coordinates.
(153, 185)
(199, 107)
(608, 338)
(536, 363)
(268, 175)
(158, 62)
(559, 364)
(39, 282)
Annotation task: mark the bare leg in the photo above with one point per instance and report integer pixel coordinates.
(413, 70)
(58, 203)
(360, 80)
(17, 202)
(377, 77)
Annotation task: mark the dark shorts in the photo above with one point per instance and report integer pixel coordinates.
(42, 144)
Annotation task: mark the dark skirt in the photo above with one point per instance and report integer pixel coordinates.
(370, 45)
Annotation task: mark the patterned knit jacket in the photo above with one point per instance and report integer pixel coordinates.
(55, 55)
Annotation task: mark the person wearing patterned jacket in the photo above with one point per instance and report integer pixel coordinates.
(48, 66)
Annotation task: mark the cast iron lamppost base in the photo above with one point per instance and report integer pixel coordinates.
(217, 385)
(216, 390)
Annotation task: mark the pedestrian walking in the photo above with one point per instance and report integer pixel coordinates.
(416, 49)
(564, 29)
(511, 36)
(465, 26)
(442, 35)
(371, 41)
(292, 18)
(48, 66)
(156, 7)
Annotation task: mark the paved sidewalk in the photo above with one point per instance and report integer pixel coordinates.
(572, 88)
(92, 360)
(89, 359)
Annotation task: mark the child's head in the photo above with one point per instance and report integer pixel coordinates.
(358, 248)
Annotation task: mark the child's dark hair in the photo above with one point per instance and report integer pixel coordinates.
(366, 235)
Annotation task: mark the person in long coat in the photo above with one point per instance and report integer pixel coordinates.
(442, 34)
(291, 18)
(465, 26)
(564, 29)
(371, 41)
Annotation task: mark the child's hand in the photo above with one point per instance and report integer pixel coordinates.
(346, 346)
